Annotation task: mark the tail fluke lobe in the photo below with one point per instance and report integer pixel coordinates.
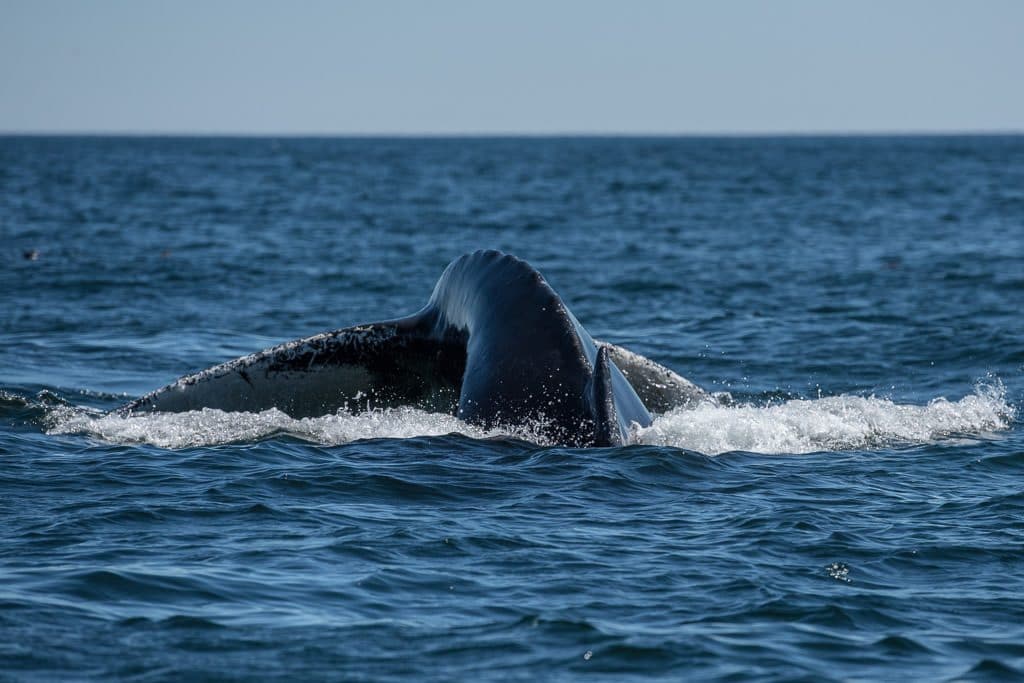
(609, 429)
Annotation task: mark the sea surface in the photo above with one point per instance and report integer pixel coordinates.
(853, 512)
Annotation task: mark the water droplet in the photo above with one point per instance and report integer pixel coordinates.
(838, 571)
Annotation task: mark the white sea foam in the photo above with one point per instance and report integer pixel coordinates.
(835, 423)
(210, 427)
(797, 426)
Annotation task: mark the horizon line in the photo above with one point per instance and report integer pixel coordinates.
(882, 133)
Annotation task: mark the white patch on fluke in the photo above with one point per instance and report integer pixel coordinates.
(800, 426)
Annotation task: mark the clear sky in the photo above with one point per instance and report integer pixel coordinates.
(521, 66)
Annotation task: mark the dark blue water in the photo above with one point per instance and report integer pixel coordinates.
(856, 513)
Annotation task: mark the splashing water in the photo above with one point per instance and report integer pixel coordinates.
(210, 427)
(833, 423)
(797, 426)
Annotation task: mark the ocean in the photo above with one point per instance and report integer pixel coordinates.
(853, 508)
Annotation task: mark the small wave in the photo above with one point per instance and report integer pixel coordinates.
(835, 423)
(795, 426)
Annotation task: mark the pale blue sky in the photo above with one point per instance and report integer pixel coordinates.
(524, 66)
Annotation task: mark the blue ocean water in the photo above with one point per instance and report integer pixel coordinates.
(855, 513)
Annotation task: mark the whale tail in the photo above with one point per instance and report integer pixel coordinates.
(495, 345)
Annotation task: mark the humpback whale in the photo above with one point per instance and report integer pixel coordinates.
(494, 345)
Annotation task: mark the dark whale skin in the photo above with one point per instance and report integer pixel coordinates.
(527, 357)
(494, 345)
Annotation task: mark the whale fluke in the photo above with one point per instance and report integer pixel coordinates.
(494, 345)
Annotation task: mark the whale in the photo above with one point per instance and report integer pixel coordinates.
(494, 345)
